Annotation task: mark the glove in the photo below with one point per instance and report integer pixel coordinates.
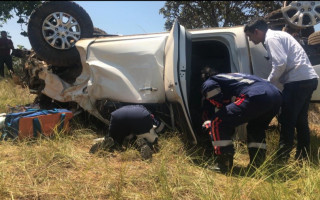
(206, 126)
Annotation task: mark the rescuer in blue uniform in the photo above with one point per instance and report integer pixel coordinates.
(257, 102)
(132, 123)
(131, 119)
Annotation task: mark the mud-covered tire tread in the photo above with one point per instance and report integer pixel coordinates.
(314, 38)
(41, 47)
(98, 31)
(274, 15)
(277, 14)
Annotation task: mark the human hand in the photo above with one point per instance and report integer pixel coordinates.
(206, 126)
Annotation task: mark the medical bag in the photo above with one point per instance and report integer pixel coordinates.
(36, 122)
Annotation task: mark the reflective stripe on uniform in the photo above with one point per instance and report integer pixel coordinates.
(215, 134)
(213, 92)
(257, 145)
(160, 128)
(150, 136)
(240, 99)
(237, 78)
(222, 143)
(215, 103)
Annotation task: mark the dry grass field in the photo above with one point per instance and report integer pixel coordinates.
(62, 168)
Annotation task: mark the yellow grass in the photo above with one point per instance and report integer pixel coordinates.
(13, 95)
(62, 168)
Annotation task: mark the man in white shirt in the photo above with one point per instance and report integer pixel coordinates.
(291, 68)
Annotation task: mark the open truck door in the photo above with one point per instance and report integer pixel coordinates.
(177, 76)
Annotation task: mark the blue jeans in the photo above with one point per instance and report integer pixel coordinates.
(294, 114)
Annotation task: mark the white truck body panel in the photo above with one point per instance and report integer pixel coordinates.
(150, 68)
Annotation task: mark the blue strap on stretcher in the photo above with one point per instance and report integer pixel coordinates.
(37, 126)
(62, 117)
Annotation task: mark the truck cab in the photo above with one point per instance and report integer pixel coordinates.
(156, 70)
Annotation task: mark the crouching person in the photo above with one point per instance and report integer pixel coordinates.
(257, 102)
(131, 123)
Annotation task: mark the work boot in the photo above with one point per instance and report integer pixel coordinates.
(145, 148)
(223, 163)
(105, 144)
(257, 157)
(302, 154)
(283, 154)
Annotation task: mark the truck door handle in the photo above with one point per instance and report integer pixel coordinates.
(148, 88)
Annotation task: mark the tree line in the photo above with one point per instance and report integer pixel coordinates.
(190, 14)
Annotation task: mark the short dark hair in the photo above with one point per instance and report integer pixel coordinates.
(258, 23)
(3, 32)
(207, 72)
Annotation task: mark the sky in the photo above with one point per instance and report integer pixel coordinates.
(114, 17)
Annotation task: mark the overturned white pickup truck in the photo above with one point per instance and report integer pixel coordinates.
(160, 70)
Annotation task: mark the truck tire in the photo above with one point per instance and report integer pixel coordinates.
(301, 14)
(275, 20)
(314, 38)
(98, 32)
(53, 29)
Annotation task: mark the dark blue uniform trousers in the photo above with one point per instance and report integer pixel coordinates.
(131, 119)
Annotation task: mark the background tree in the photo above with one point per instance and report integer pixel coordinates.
(204, 14)
(22, 9)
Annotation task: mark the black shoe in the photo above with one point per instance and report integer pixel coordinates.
(302, 155)
(106, 144)
(223, 163)
(146, 152)
(145, 148)
(283, 154)
(257, 157)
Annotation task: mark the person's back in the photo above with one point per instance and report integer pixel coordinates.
(292, 71)
(5, 44)
(289, 54)
(131, 124)
(129, 119)
(257, 102)
(234, 84)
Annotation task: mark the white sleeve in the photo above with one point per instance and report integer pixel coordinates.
(278, 60)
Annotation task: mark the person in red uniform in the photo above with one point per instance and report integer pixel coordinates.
(5, 58)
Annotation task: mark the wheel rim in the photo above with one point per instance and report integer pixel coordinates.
(302, 13)
(60, 30)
